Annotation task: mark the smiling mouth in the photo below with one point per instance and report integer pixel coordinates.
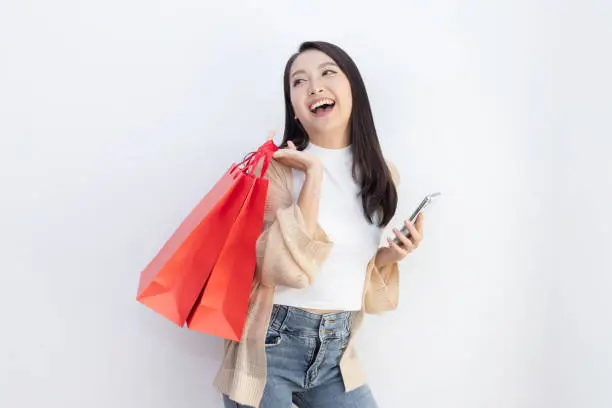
(322, 106)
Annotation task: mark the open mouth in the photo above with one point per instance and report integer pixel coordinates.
(322, 107)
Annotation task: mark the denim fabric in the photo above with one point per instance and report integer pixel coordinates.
(303, 352)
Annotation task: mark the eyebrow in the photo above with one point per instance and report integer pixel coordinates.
(301, 71)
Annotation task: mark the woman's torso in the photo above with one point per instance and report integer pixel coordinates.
(339, 283)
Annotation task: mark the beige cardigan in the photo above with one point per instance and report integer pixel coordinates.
(287, 255)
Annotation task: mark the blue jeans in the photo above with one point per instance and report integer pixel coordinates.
(303, 352)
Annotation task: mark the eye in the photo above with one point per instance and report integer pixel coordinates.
(298, 81)
(329, 72)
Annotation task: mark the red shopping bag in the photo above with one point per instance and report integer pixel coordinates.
(172, 282)
(222, 307)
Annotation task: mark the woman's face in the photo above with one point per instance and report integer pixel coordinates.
(320, 93)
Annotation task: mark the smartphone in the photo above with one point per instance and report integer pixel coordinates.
(424, 204)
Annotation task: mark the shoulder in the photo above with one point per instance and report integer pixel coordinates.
(395, 175)
(279, 194)
(278, 173)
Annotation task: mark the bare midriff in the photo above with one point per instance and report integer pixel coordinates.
(321, 312)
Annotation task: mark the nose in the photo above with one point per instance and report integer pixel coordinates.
(315, 91)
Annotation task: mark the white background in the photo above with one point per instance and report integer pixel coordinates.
(117, 116)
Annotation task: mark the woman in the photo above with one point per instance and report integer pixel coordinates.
(319, 266)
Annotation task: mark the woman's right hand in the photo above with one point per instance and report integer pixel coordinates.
(299, 160)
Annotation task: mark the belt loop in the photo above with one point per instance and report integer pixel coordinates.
(274, 315)
(348, 322)
(283, 319)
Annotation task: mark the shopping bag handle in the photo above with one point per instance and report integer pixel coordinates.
(264, 152)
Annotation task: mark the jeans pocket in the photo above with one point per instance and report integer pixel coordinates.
(273, 339)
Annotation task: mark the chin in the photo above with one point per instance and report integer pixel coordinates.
(322, 128)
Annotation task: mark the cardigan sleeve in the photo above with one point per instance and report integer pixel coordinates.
(287, 254)
(382, 286)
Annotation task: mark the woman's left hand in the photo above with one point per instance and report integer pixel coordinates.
(394, 252)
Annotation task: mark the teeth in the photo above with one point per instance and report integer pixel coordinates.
(321, 103)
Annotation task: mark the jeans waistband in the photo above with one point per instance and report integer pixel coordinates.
(303, 323)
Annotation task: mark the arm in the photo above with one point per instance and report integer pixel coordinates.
(382, 284)
(292, 246)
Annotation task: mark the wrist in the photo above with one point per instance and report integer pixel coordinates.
(315, 171)
(380, 260)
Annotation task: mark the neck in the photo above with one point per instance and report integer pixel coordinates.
(331, 140)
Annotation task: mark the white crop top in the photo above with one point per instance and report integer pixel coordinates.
(340, 281)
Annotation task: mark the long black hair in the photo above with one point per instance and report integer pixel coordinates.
(378, 192)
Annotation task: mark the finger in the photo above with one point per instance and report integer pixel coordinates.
(404, 240)
(419, 225)
(271, 135)
(279, 154)
(415, 235)
(288, 152)
(291, 145)
(396, 247)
